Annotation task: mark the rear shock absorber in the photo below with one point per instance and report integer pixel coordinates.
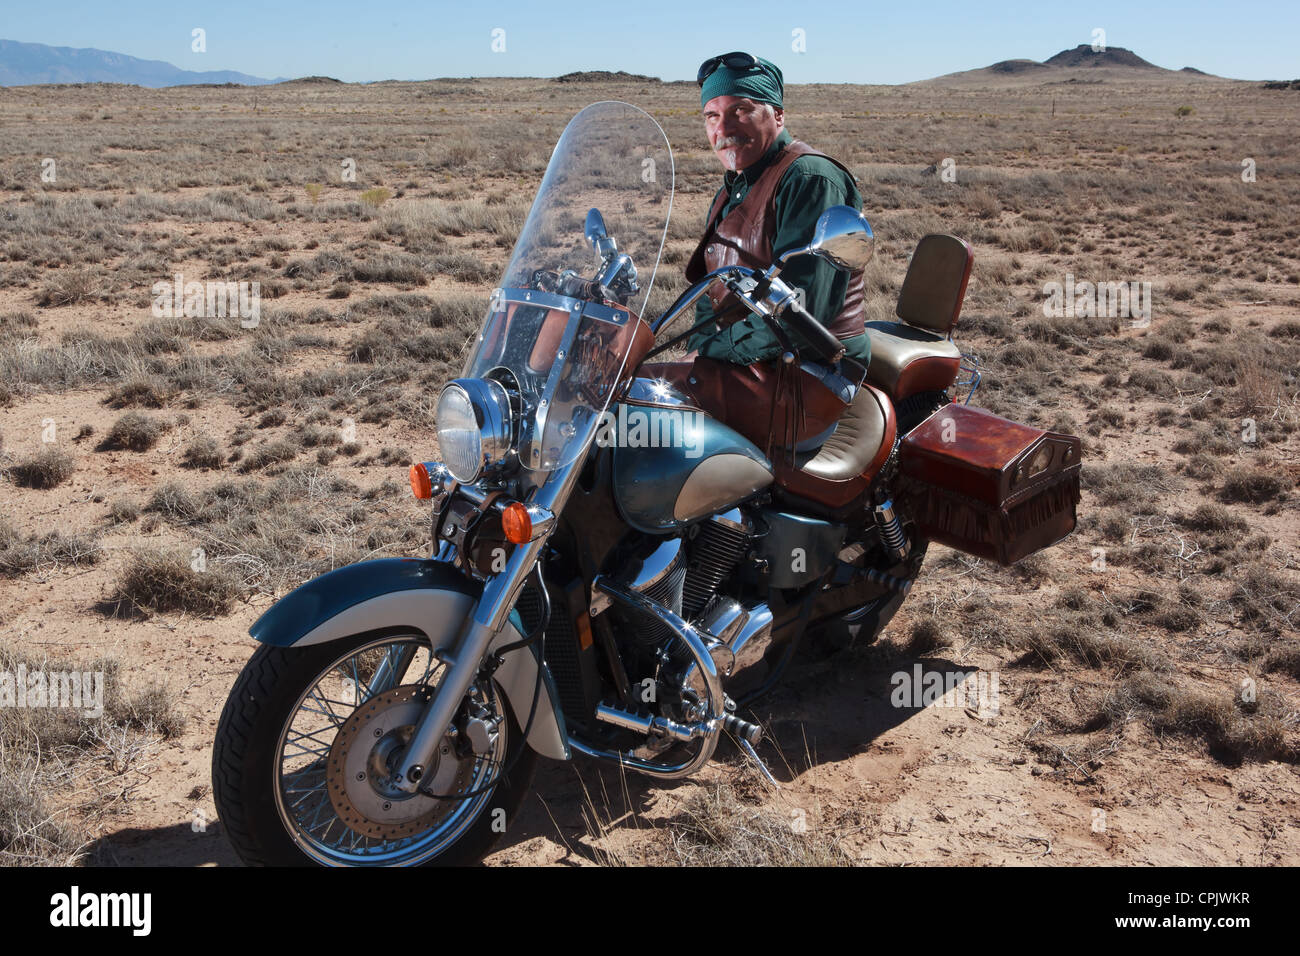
(891, 531)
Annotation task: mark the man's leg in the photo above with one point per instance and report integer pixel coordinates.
(742, 397)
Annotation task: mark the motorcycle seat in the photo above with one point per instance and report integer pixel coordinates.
(906, 359)
(916, 353)
(842, 468)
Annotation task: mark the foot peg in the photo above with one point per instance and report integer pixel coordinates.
(747, 735)
(750, 733)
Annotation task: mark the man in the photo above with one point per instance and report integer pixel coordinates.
(774, 189)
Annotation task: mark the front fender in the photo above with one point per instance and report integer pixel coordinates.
(415, 594)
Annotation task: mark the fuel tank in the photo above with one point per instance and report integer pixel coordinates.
(674, 465)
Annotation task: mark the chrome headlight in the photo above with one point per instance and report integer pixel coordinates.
(475, 427)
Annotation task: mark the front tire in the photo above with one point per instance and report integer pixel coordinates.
(276, 766)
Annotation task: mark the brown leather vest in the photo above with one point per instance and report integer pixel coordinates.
(745, 237)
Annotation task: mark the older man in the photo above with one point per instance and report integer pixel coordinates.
(774, 189)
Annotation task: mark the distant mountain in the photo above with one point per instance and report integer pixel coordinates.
(604, 76)
(1085, 55)
(27, 64)
(1082, 64)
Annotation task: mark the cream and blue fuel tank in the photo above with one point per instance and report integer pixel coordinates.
(673, 464)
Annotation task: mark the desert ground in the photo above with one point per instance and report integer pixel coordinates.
(163, 480)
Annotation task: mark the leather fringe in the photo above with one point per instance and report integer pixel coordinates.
(986, 525)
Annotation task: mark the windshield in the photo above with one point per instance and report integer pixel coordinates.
(567, 310)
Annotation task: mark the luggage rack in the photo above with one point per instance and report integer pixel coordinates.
(969, 374)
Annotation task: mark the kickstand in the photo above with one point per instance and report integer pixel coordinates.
(746, 746)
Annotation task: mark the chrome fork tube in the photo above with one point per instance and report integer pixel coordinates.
(389, 672)
(476, 634)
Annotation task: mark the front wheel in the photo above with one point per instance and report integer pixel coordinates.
(309, 737)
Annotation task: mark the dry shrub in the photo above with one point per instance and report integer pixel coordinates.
(1265, 598)
(202, 452)
(51, 550)
(49, 468)
(390, 267)
(1128, 483)
(1284, 659)
(122, 511)
(133, 432)
(1251, 485)
(68, 288)
(928, 636)
(31, 831)
(1213, 518)
(165, 581)
(271, 453)
(1152, 381)
(148, 391)
(49, 754)
(982, 203)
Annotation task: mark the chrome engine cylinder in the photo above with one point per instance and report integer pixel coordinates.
(720, 543)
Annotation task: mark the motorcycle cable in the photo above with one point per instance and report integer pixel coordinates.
(724, 314)
(497, 659)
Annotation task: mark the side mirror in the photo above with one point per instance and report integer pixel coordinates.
(842, 237)
(595, 232)
(595, 227)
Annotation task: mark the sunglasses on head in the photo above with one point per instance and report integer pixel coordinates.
(732, 61)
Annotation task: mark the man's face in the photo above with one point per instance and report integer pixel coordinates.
(740, 130)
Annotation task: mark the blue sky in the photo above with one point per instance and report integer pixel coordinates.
(845, 42)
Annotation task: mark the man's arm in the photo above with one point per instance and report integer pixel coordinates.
(806, 191)
(798, 207)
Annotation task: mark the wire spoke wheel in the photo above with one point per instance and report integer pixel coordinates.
(345, 736)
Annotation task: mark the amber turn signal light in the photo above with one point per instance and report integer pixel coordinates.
(517, 523)
(421, 484)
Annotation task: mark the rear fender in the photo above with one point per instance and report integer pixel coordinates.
(414, 594)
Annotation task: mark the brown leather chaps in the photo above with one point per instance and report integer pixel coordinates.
(775, 406)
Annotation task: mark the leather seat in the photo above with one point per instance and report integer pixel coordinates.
(842, 468)
(906, 360)
(916, 354)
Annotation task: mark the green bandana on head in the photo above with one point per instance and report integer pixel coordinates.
(762, 84)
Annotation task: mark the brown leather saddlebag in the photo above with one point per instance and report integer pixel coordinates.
(988, 486)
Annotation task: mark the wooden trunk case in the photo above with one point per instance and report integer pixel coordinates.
(988, 486)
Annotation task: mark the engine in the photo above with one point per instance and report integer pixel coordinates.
(683, 575)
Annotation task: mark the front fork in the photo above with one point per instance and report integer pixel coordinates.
(464, 657)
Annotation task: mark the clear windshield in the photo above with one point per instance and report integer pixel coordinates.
(566, 313)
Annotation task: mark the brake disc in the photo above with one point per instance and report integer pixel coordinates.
(366, 751)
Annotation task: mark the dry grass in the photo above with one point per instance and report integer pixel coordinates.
(716, 828)
(43, 551)
(61, 768)
(368, 307)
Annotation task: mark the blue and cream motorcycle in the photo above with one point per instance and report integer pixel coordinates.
(612, 572)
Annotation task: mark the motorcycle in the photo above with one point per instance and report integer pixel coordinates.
(613, 573)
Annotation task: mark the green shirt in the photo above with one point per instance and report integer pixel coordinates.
(810, 186)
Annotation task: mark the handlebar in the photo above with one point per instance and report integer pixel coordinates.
(824, 345)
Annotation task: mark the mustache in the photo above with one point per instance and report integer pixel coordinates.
(730, 141)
